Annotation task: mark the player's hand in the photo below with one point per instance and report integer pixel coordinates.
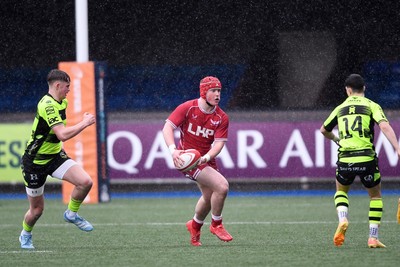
(337, 141)
(89, 119)
(178, 162)
(203, 160)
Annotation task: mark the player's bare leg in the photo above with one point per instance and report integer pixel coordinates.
(202, 209)
(36, 206)
(83, 183)
(215, 188)
(203, 206)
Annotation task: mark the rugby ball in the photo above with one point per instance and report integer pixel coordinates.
(191, 158)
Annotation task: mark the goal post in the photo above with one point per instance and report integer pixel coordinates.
(89, 148)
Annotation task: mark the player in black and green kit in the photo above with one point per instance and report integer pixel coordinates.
(355, 119)
(44, 156)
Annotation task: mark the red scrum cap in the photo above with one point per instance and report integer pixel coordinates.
(208, 83)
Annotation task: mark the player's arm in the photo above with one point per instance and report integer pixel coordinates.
(168, 133)
(175, 119)
(388, 131)
(64, 133)
(328, 125)
(329, 135)
(213, 152)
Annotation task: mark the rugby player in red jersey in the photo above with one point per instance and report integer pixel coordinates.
(203, 126)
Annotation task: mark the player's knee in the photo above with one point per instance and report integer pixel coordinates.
(86, 183)
(223, 188)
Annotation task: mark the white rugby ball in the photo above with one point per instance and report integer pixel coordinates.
(191, 158)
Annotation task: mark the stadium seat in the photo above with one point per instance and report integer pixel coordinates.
(127, 88)
(372, 68)
(395, 72)
(376, 75)
(389, 97)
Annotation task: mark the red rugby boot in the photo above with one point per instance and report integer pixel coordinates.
(194, 234)
(221, 233)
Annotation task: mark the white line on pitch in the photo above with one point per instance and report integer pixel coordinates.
(171, 223)
(25, 251)
(181, 223)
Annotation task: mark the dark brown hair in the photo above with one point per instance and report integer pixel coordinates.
(57, 75)
(355, 82)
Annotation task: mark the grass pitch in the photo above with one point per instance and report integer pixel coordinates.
(267, 231)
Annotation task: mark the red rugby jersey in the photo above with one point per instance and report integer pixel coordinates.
(198, 128)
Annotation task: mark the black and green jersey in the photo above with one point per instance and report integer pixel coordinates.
(44, 144)
(355, 119)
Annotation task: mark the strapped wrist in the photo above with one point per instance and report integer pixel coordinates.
(207, 157)
(172, 148)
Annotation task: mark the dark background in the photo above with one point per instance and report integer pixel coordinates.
(36, 35)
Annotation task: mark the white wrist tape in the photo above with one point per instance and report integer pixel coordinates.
(172, 148)
(207, 157)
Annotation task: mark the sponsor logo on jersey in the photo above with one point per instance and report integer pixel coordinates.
(215, 123)
(200, 131)
(49, 110)
(52, 120)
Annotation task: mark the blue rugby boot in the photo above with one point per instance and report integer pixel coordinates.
(26, 241)
(80, 222)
